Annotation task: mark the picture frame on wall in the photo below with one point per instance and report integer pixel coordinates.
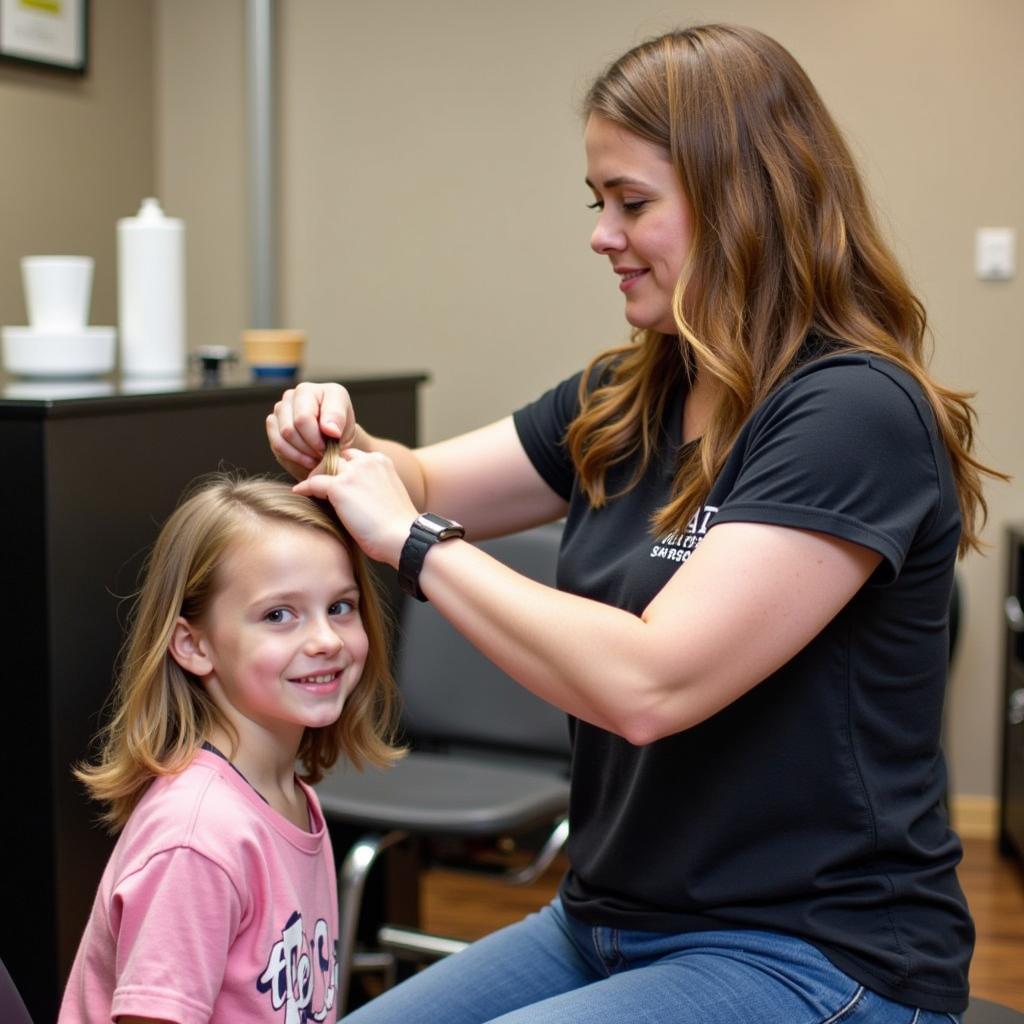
(51, 33)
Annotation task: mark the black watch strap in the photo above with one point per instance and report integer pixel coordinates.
(426, 531)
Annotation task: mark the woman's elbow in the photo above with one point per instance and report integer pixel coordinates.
(643, 706)
(648, 721)
(639, 732)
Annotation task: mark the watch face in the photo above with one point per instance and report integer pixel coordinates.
(439, 526)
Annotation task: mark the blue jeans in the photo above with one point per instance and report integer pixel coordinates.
(554, 969)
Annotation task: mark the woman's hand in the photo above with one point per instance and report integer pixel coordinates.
(370, 499)
(300, 420)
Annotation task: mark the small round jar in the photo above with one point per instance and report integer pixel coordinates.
(274, 353)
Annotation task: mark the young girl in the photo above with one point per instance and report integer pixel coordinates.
(257, 642)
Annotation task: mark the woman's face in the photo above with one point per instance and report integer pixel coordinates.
(645, 224)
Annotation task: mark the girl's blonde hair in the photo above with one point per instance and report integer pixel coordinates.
(161, 714)
(784, 244)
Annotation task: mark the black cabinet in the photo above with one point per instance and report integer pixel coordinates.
(1011, 814)
(89, 472)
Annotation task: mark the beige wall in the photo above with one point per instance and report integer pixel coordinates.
(77, 154)
(432, 201)
(433, 206)
(201, 155)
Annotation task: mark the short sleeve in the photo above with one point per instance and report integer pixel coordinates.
(173, 922)
(848, 450)
(541, 426)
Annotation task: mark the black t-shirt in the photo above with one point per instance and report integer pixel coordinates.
(812, 805)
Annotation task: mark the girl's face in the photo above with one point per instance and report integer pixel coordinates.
(645, 227)
(282, 638)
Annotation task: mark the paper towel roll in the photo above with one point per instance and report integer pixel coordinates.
(151, 292)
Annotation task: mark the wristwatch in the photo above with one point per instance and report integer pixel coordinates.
(427, 530)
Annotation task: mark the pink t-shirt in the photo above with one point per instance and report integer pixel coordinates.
(213, 907)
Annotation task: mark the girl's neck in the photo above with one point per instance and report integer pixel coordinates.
(269, 769)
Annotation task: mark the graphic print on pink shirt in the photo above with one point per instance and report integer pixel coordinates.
(290, 977)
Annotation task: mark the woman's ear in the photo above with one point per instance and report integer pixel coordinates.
(187, 649)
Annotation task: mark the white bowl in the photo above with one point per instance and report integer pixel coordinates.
(87, 352)
(52, 390)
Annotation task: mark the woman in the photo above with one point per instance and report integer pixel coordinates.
(765, 494)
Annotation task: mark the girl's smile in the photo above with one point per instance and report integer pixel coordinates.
(319, 682)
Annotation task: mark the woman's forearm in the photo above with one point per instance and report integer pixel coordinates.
(575, 653)
(746, 602)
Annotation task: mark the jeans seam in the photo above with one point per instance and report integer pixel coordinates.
(619, 958)
(845, 1010)
(595, 937)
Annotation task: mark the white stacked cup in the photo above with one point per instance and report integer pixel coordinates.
(58, 291)
(58, 342)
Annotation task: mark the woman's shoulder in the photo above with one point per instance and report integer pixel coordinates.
(857, 385)
(850, 410)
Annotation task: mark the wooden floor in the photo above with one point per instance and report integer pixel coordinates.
(995, 893)
(466, 906)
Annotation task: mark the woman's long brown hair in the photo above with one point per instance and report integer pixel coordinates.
(784, 244)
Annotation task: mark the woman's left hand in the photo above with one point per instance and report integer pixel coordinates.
(370, 500)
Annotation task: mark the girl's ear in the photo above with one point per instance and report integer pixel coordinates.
(187, 649)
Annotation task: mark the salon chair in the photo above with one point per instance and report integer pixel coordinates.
(981, 1011)
(488, 761)
(12, 1007)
